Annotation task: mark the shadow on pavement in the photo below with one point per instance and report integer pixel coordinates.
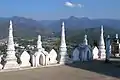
(108, 69)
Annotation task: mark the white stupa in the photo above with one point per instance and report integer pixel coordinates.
(40, 58)
(116, 36)
(95, 52)
(11, 60)
(63, 58)
(39, 43)
(102, 54)
(82, 52)
(35, 57)
(85, 41)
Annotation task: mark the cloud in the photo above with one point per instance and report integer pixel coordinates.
(70, 4)
(80, 5)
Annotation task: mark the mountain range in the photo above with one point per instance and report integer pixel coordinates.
(25, 27)
(81, 23)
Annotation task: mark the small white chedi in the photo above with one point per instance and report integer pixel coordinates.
(95, 52)
(102, 52)
(25, 58)
(82, 52)
(40, 58)
(53, 57)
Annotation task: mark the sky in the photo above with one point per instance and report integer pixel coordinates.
(57, 9)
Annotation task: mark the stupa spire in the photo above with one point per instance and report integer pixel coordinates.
(63, 43)
(102, 53)
(10, 38)
(63, 49)
(39, 43)
(85, 40)
(116, 36)
(101, 42)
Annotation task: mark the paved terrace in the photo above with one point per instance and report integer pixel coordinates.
(95, 70)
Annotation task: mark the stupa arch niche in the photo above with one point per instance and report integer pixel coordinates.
(76, 55)
(42, 60)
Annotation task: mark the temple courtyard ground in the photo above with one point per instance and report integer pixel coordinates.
(95, 70)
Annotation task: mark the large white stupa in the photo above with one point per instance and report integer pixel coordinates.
(102, 53)
(11, 60)
(63, 58)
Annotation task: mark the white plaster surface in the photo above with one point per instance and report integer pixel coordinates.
(53, 57)
(25, 57)
(95, 52)
(75, 55)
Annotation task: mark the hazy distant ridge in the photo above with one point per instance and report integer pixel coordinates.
(29, 27)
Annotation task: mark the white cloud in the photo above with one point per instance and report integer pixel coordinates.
(80, 5)
(69, 4)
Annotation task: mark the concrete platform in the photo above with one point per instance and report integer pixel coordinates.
(95, 70)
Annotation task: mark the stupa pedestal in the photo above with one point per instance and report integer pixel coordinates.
(102, 53)
(11, 64)
(64, 58)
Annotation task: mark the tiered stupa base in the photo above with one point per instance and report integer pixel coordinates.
(11, 65)
(65, 60)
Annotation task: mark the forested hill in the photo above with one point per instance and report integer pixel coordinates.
(25, 27)
(77, 36)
